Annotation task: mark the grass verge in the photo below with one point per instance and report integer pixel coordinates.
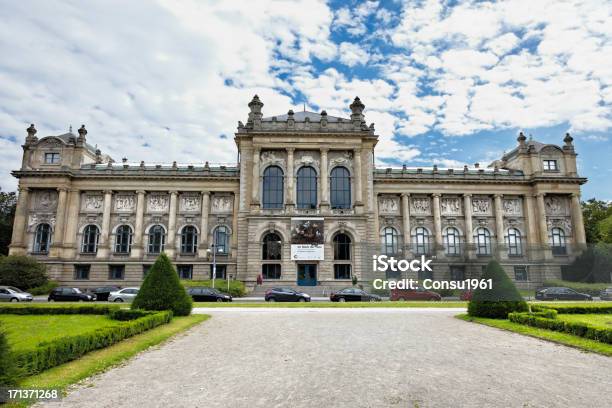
(602, 321)
(330, 304)
(98, 361)
(557, 337)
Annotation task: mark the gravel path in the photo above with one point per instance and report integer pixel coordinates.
(350, 357)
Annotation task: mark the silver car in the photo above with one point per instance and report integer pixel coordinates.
(13, 294)
(123, 295)
(606, 294)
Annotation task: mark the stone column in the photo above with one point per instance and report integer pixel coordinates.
(137, 243)
(499, 226)
(543, 226)
(290, 190)
(324, 181)
(437, 218)
(103, 241)
(405, 220)
(255, 182)
(203, 246)
(531, 224)
(358, 181)
(469, 229)
(18, 246)
(170, 246)
(72, 218)
(578, 222)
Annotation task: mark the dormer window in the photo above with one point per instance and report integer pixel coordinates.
(550, 165)
(52, 158)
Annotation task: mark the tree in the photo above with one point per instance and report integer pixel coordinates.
(594, 211)
(593, 265)
(604, 229)
(8, 203)
(23, 272)
(162, 290)
(501, 299)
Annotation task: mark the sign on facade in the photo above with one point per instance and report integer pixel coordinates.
(307, 239)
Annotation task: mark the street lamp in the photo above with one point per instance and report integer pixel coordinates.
(214, 254)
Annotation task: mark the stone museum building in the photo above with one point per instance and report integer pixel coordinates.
(97, 221)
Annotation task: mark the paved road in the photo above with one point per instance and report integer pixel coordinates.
(351, 358)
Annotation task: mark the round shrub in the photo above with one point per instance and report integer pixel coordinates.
(22, 271)
(162, 290)
(501, 299)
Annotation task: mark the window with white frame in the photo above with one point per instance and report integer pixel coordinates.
(550, 165)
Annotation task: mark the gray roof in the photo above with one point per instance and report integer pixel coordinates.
(71, 138)
(301, 117)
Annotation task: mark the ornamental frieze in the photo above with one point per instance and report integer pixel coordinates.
(222, 204)
(340, 159)
(93, 202)
(272, 157)
(420, 205)
(388, 205)
(45, 200)
(564, 223)
(450, 206)
(125, 202)
(481, 206)
(158, 202)
(555, 205)
(190, 203)
(35, 219)
(512, 206)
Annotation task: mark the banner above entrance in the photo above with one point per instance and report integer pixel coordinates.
(307, 239)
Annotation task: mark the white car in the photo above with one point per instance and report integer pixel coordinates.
(123, 295)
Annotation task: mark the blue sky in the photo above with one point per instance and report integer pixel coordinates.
(445, 82)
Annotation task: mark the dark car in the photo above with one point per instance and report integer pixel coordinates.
(606, 294)
(208, 295)
(353, 295)
(64, 294)
(286, 295)
(103, 292)
(414, 294)
(560, 293)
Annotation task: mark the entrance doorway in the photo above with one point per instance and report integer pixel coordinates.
(307, 275)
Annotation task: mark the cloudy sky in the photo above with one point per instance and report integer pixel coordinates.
(446, 82)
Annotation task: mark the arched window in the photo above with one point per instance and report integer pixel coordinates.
(514, 242)
(558, 241)
(482, 238)
(421, 241)
(271, 249)
(340, 188)
(157, 239)
(307, 188)
(189, 239)
(342, 256)
(123, 239)
(91, 233)
(221, 239)
(390, 241)
(273, 187)
(452, 241)
(42, 238)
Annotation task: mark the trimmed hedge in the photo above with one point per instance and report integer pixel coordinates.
(574, 309)
(8, 371)
(575, 328)
(55, 310)
(55, 352)
(128, 314)
(44, 289)
(236, 287)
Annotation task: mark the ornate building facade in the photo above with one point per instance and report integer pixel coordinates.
(95, 221)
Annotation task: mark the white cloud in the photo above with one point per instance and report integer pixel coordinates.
(352, 54)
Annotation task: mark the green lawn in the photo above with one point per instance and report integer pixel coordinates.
(331, 304)
(26, 331)
(557, 337)
(603, 321)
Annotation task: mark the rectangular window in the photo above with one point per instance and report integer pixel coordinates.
(52, 158)
(520, 273)
(457, 273)
(145, 270)
(81, 272)
(185, 271)
(342, 271)
(116, 272)
(220, 271)
(550, 165)
(271, 271)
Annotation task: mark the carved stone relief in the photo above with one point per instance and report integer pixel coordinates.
(512, 206)
(222, 204)
(125, 202)
(190, 203)
(555, 205)
(420, 205)
(35, 219)
(481, 206)
(158, 202)
(388, 205)
(450, 205)
(272, 157)
(306, 159)
(46, 200)
(93, 202)
(340, 159)
(564, 223)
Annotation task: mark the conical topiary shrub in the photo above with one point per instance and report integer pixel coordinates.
(498, 301)
(162, 290)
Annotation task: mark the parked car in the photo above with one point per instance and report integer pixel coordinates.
(286, 295)
(466, 295)
(606, 294)
(414, 294)
(560, 293)
(66, 294)
(13, 294)
(208, 295)
(102, 293)
(123, 295)
(353, 295)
